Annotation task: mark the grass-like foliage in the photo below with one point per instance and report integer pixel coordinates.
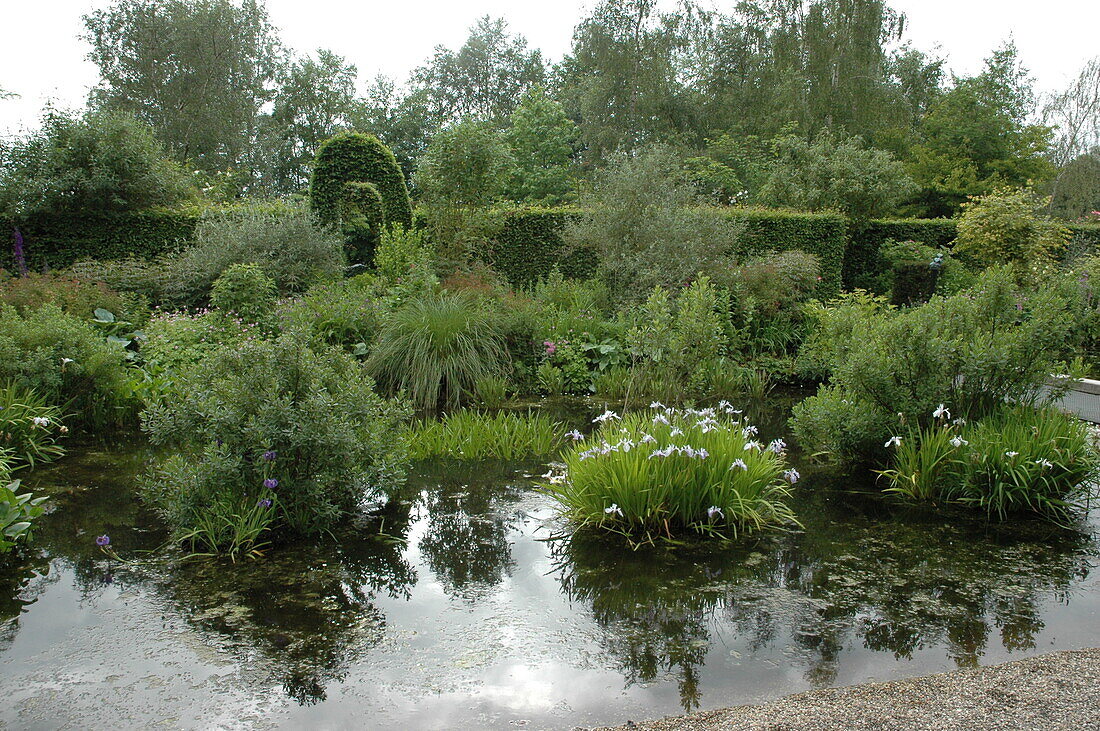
(436, 348)
(654, 473)
(470, 435)
(29, 428)
(1020, 460)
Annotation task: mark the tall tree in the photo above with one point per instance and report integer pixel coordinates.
(622, 77)
(197, 71)
(1075, 115)
(976, 137)
(483, 80)
(315, 100)
(541, 139)
(402, 121)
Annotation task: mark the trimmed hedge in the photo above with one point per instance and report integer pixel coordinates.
(825, 235)
(864, 265)
(54, 242)
(353, 157)
(526, 244)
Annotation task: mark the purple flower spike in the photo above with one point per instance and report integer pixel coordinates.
(271, 483)
(269, 455)
(103, 541)
(265, 503)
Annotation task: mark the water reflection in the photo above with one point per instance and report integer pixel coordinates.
(469, 511)
(895, 584)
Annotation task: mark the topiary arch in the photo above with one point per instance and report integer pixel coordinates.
(353, 157)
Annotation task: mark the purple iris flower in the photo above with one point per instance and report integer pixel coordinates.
(271, 483)
(103, 541)
(269, 455)
(265, 503)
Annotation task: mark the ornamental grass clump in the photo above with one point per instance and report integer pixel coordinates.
(660, 472)
(436, 348)
(1020, 460)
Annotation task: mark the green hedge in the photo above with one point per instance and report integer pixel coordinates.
(526, 244)
(823, 234)
(58, 241)
(864, 266)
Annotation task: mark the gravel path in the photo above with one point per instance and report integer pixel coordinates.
(1056, 691)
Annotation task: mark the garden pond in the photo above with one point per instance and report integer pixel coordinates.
(474, 609)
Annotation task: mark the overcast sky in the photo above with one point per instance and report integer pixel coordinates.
(41, 57)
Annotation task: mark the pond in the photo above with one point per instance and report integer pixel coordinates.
(474, 609)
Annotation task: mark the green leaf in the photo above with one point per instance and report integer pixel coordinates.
(102, 315)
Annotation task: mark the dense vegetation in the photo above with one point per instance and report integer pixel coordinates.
(505, 229)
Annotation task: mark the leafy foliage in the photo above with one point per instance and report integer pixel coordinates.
(29, 428)
(18, 511)
(100, 163)
(279, 411)
(1005, 227)
(244, 290)
(541, 140)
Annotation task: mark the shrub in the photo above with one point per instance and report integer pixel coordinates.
(347, 313)
(655, 473)
(1005, 227)
(972, 351)
(176, 341)
(103, 162)
(71, 294)
(470, 435)
(1019, 460)
(67, 363)
(642, 219)
(144, 280)
(352, 157)
(401, 249)
(287, 245)
(244, 290)
(18, 511)
(274, 420)
(435, 348)
(29, 429)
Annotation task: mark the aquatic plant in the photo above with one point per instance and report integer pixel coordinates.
(1020, 460)
(18, 511)
(472, 435)
(654, 473)
(29, 427)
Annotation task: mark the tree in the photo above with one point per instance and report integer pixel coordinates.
(484, 80)
(197, 71)
(1075, 115)
(315, 100)
(838, 174)
(466, 168)
(818, 63)
(102, 162)
(621, 80)
(541, 140)
(976, 138)
(402, 122)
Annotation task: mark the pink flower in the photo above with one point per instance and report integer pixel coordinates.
(551, 348)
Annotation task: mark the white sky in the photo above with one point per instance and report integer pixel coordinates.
(42, 59)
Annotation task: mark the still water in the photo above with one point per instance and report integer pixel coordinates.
(475, 610)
